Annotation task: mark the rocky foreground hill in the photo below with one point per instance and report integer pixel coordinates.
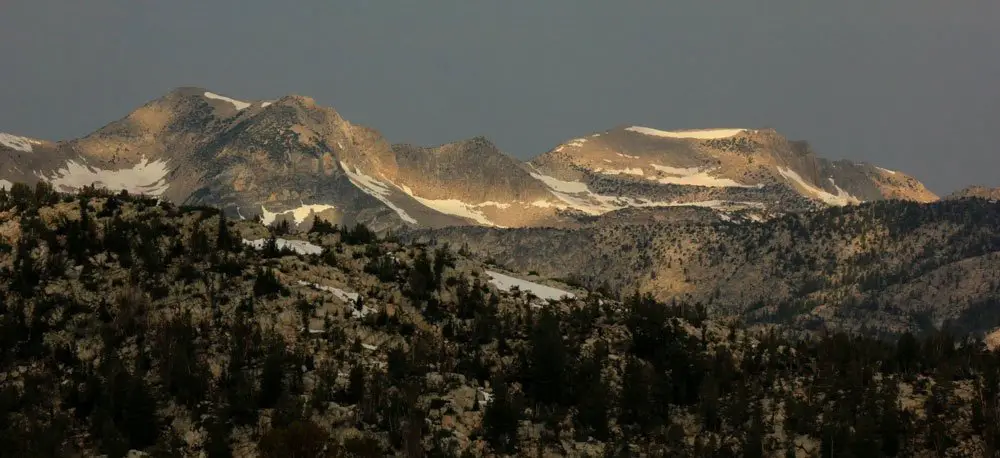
(291, 159)
(135, 326)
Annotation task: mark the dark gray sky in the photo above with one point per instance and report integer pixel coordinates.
(909, 84)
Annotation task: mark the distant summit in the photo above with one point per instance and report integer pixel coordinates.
(982, 192)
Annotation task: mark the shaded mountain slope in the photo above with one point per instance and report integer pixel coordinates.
(887, 266)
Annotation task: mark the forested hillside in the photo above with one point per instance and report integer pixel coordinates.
(885, 267)
(129, 324)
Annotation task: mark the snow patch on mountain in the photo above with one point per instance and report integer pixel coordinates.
(574, 194)
(842, 198)
(376, 189)
(146, 177)
(4, 184)
(627, 156)
(299, 214)
(693, 176)
(240, 105)
(702, 134)
(578, 196)
(299, 246)
(506, 282)
(560, 185)
(677, 171)
(843, 195)
(890, 172)
(267, 217)
(456, 207)
(22, 144)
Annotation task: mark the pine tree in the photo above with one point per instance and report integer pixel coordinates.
(272, 377)
(591, 395)
(635, 395)
(501, 418)
(217, 444)
(442, 259)
(322, 226)
(356, 384)
(421, 279)
(940, 411)
(224, 241)
(890, 425)
(139, 419)
(547, 366)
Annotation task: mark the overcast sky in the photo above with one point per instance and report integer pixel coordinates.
(912, 85)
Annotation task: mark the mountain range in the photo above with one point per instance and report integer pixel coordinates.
(631, 292)
(744, 221)
(291, 159)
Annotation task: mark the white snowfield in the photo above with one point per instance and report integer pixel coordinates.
(703, 134)
(676, 171)
(382, 189)
(555, 184)
(299, 214)
(22, 144)
(844, 195)
(457, 207)
(890, 172)
(693, 176)
(146, 177)
(376, 189)
(573, 194)
(505, 283)
(840, 199)
(5, 184)
(578, 196)
(236, 103)
(298, 246)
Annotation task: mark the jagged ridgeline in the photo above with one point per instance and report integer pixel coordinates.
(292, 159)
(130, 325)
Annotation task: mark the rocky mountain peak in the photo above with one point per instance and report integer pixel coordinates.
(279, 157)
